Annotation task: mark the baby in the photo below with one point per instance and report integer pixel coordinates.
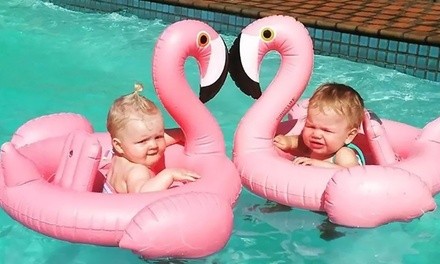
(139, 140)
(334, 115)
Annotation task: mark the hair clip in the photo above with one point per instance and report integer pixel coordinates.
(138, 87)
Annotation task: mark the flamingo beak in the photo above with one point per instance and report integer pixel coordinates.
(207, 92)
(374, 116)
(236, 69)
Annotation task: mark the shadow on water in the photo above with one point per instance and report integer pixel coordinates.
(328, 231)
(166, 261)
(4, 231)
(178, 261)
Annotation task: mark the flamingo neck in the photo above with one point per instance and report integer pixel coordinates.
(260, 122)
(202, 132)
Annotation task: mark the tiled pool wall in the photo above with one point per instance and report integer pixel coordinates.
(411, 58)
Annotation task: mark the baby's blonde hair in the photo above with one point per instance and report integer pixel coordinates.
(343, 99)
(127, 105)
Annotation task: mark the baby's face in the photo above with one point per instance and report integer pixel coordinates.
(142, 139)
(325, 132)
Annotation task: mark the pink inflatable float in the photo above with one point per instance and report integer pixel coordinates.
(52, 169)
(403, 172)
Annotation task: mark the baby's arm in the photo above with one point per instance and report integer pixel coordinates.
(305, 161)
(181, 175)
(142, 180)
(292, 144)
(344, 158)
(173, 136)
(286, 143)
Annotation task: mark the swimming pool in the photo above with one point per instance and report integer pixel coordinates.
(54, 60)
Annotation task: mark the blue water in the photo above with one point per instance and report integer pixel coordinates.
(55, 60)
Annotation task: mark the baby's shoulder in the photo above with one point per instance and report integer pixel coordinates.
(138, 171)
(123, 169)
(345, 154)
(346, 151)
(137, 167)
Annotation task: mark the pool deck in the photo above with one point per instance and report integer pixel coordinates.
(403, 35)
(411, 21)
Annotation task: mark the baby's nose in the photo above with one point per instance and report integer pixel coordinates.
(317, 134)
(152, 144)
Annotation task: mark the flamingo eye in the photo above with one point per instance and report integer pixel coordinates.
(203, 39)
(267, 34)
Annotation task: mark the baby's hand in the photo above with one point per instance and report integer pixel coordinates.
(282, 142)
(183, 175)
(303, 161)
(313, 162)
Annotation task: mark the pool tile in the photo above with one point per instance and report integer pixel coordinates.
(400, 34)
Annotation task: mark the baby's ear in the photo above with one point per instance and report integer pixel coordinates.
(351, 135)
(116, 143)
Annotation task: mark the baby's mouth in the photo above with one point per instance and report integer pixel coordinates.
(316, 144)
(152, 153)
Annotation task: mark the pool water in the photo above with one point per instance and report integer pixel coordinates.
(55, 60)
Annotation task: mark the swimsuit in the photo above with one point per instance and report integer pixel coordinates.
(107, 188)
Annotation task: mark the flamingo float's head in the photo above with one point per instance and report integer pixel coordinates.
(192, 38)
(273, 33)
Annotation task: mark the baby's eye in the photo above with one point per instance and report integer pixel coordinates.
(160, 137)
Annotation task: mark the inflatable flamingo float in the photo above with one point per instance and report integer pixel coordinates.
(403, 172)
(52, 169)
